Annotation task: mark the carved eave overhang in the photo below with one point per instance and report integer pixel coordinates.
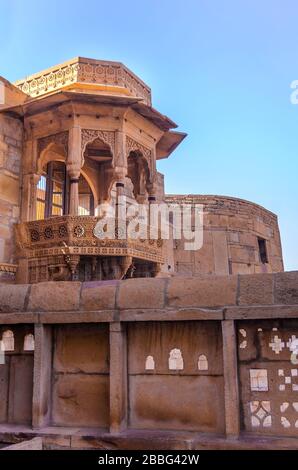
(168, 143)
(160, 120)
(46, 103)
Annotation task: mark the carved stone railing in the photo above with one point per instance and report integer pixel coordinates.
(83, 70)
(74, 235)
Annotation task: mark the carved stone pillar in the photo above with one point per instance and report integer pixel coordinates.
(120, 205)
(29, 182)
(73, 165)
(151, 200)
(33, 196)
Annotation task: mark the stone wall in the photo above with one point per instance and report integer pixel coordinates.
(10, 161)
(231, 231)
(129, 363)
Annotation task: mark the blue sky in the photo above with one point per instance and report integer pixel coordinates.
(221, 69)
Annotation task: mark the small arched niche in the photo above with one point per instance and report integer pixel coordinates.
(29, 343)
(150, 363)
(203, 362)
(7, 343)
(176, 360)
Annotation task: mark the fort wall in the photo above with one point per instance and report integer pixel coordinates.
(232, 231)
(164, 363)
(11, 135)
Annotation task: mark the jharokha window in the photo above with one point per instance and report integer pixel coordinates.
(53, 193)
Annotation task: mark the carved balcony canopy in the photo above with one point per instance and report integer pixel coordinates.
(93, 82)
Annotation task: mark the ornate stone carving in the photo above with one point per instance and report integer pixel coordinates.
(79, 231)
(84, 70)
(89, 135)
(8, 268)
(51, 244)
(133, 146)
(61, 138)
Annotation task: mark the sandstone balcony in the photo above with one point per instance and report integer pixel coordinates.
(66, 248)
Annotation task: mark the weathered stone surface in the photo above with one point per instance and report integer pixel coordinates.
(286, 288)
(231, 230)
(208, 291)
(20, 389)
(12, 297)
(256, 289)
(98, 295)
(82, 348)
(81, 400)
(192, 338)
(54, 296)
(196, 405)
(32, 444)
(136, 293)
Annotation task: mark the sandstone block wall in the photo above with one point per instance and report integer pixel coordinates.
(231, 231)
(11, 135)
(211, 355)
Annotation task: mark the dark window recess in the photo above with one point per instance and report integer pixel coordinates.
(263, 250)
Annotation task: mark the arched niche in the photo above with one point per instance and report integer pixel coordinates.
(98, 167)
(52, 152)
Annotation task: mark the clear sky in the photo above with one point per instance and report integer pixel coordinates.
(221, 69)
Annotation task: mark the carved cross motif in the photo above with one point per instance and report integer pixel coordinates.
(277, 345)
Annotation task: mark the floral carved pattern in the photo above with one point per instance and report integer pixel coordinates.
(134, 146)
(81, 70)
(89, 135)
(59, 139)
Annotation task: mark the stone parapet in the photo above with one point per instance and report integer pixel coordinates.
(141, 295)
(169, 363)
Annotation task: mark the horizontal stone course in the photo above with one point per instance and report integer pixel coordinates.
(12, 297)
(133, 298)
(141, 293)
(54, 296)
(205, 291)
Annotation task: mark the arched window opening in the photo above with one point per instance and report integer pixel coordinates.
(41, 197)
(7, 343)
(98, 165)
(29, 343)
(86, 199)
(52, 191)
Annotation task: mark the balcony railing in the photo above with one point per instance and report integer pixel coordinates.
(74, 235)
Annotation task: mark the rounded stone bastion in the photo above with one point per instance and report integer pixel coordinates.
(239, 237)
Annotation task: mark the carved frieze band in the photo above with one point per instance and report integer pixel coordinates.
(61, 138)
(89, 135)
(81, 71)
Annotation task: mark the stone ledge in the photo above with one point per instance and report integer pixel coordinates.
(74, 438)
(141, 299)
